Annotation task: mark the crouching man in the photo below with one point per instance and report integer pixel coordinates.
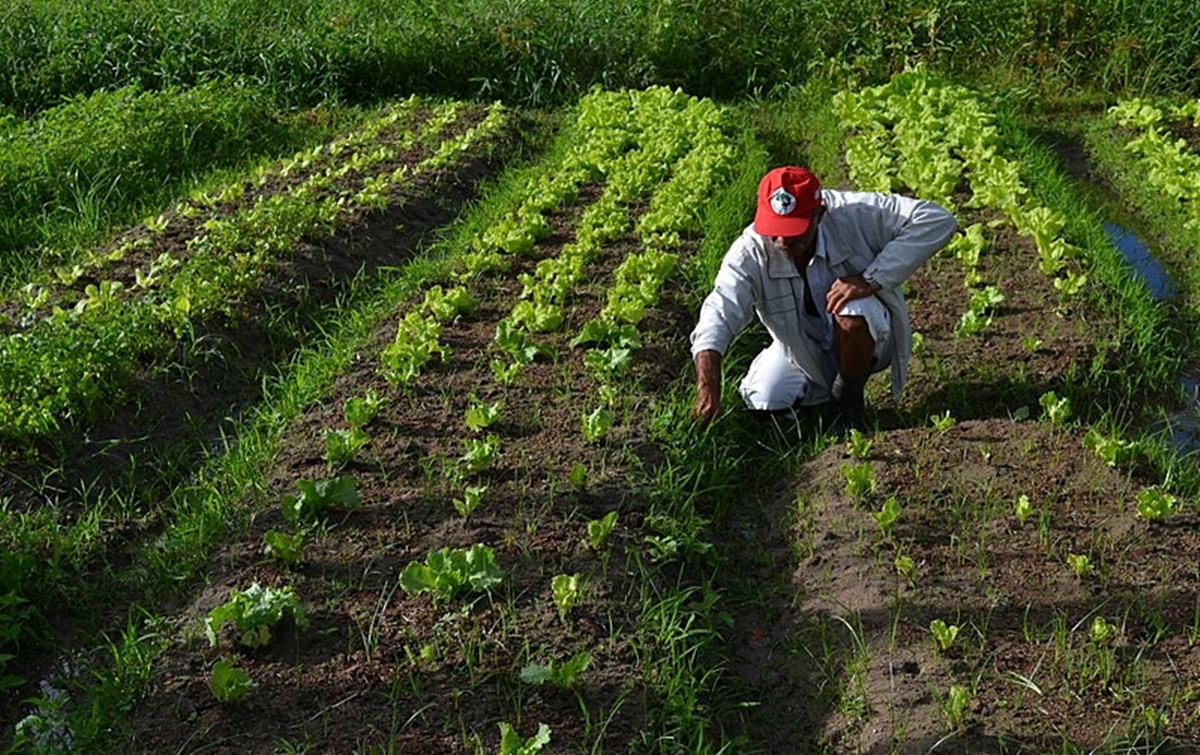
(822, 270)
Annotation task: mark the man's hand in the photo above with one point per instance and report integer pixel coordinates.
(845, 290)
(708, 386)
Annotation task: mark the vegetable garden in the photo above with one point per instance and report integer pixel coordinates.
(365, 426)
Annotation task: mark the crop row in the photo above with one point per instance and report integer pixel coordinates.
(72, 339)
(1168, 164)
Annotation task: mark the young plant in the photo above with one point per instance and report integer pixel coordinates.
(480, 453)
(1154, 504)
(944, 634)
(472, 496)
(886, 517)
(1055, 409)
(284, 548)
(567, 590)
(1113, 451)
(318, 496)
(450, 572)
(360, 410)
(228, 683)
(511, 743)
(858, 444)
(860, 480)
(597, 424)
(1023, 508)
(906, 567)
(942, 422)
(598, 530)
(956, 706)
(254, 613)
(446, 305)
(341, 446)
(481, 416)
(1081, 564)
(417, 341)
(578, 476)
(561, 675)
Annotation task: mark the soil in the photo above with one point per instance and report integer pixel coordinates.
(828, 647)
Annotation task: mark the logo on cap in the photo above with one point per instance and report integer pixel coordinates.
(782, 202)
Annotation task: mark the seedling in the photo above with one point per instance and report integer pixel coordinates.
(599, 529)
(417, 342)
(472, 496)
(511, 744)
(859, 445)
(906, 567)
(886, 517)
(480, 453)
(316, 497)
(342, 446)
(578, 476)
(254, 613)
(1113, 451)
(481, 416)
(1154, 504)
(944, 634)
(360, 410)
(1023, 508)
(567, 590)
(597, 424)
(1101, 631)
(860, 480)
(446, 305)
(283, 547)
(942, 422)
(1055, 409)
(229, 683)
(607, 364)
(562, 675)
(449, 572)
(1081, 564)
(956, 705)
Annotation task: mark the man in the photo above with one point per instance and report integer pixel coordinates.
(822, 269)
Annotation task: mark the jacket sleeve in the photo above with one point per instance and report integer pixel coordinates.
(730, 305)
(918, 229)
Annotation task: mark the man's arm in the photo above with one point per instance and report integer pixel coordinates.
(708, 385)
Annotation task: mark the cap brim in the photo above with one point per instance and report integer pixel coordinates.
(767, 223)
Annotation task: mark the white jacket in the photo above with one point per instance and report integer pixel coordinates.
(885, 237)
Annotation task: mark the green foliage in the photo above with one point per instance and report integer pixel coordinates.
(577, 478)
(942, 422)
(567, 590)
(1057, 410)
(944, 634)
(561, 675)
(597, 423)
(1023, 508)
(511, 743)
(254, 613)
(858, 444)
(598, 530)
(481, 416)
(1113, 451)
(957, 706)
(480, 453)
(1154, 504)
(860, 480)
(446, 305)
(318, 496)
(471, 498)
(450, 572)
(284, 548)
(228, 683)
(342, 446)
(1080, 563)
(360, 410)
(417, 341)
(886, 517)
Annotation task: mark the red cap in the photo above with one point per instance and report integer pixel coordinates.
(787, 197)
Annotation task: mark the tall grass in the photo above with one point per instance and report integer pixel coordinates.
(546, 52)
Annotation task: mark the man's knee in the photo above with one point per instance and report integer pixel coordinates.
(854, 326)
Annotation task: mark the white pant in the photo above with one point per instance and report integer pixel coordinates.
(775, 382)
